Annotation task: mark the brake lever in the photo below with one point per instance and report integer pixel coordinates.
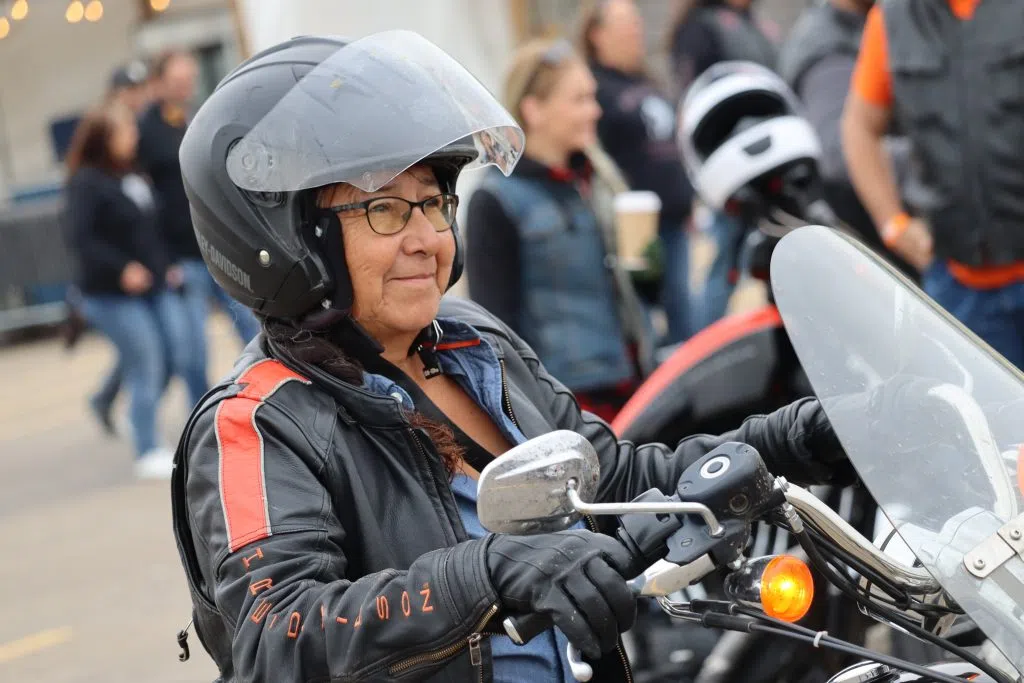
(665, 578)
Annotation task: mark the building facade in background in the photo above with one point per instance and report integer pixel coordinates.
(54, 69)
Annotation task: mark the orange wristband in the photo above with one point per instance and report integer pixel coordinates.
(894, 227)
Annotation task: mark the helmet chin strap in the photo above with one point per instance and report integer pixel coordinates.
(425, 345)
(354, 338)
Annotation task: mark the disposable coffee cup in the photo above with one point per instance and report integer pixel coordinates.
(636, 219)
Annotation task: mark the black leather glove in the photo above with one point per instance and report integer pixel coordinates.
(797, 441)
(576, 578)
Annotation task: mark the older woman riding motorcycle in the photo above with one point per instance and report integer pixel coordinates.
(324, 493)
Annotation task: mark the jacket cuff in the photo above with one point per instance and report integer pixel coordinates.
(464, 569)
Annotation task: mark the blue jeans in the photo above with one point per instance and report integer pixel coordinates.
(148, 332)
(675, 286)
(712, 303)
(995, 315)
(200, 287)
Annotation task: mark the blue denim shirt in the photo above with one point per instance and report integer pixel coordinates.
(478, 372)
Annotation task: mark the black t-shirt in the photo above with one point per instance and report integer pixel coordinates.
(474, 454)
(638, 129)
(159, 142)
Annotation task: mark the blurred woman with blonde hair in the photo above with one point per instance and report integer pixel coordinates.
(540, 243)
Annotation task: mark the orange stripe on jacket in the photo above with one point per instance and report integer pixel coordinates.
(243, 489)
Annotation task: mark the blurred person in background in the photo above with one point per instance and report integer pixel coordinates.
(126, 276)
(952, 74)
(817, 61)
(129, 87)
(539, 241)
(162, 128)
(702, 33)
(637, 128)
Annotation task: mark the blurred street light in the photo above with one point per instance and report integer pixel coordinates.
(94, 10)
(19, 10)
(75, 12)
(5, 27)
(159, 5)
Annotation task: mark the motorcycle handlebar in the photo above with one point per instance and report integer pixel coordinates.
(812, 509)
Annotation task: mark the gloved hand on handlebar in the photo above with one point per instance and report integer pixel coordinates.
(797, 441)
(577, 578)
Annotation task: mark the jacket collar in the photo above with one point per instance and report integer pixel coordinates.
(379, 402)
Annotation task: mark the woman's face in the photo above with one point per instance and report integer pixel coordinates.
(568, 115)
(398, 279)
(619, 37)
(124, 138)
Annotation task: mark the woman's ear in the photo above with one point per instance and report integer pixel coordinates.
(531, 109)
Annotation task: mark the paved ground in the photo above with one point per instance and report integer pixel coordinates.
(90, 585)
(90, 582)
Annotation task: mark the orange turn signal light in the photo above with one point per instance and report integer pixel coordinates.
(781, 585)
(787, 588)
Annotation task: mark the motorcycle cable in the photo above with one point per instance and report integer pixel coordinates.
(898, 597)
(843, 584)
(723, 615)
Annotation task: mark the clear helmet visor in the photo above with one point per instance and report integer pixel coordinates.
(370, 111)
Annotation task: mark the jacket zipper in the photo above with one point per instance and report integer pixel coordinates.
(473, 642)
(626, 669)
(591, 524)
(505, 396)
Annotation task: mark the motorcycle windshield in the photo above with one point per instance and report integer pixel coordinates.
(930, 416)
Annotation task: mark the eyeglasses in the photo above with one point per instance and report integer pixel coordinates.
(390, 215)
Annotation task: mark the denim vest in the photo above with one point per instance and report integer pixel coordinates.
(569, 313)
(958, 91)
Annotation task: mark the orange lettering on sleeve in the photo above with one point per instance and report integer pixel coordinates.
(341, 620)
(293, 625)
(359, 619)
(427, 607)
(260, 585)
(273, 620)
(261, 611)
(406, 603)
(383, 609)
(258, 555)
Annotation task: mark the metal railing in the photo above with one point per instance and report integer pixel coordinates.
(35, 265)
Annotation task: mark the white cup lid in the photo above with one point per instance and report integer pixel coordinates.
(637, 201)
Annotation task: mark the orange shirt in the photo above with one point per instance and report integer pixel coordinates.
(873, 82)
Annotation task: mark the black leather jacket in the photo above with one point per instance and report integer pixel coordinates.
(316, 525)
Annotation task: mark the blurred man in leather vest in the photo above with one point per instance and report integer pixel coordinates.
(817, 62)
(952, 75)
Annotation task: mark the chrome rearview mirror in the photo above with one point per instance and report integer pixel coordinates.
(525, 491)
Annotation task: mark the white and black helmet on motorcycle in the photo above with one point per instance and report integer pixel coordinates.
(740, 130)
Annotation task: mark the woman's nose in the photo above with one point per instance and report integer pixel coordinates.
(420, 234)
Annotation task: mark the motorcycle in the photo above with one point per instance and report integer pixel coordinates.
(741, 365)
(930, 419)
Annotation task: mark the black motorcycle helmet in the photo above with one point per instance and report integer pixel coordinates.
(311, 112)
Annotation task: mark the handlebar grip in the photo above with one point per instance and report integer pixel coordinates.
(523, 628)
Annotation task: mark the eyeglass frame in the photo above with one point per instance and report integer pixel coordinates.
(365, 206)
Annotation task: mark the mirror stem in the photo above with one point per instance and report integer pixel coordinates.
(679, 508)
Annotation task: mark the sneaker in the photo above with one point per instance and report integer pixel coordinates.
(157, 463)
